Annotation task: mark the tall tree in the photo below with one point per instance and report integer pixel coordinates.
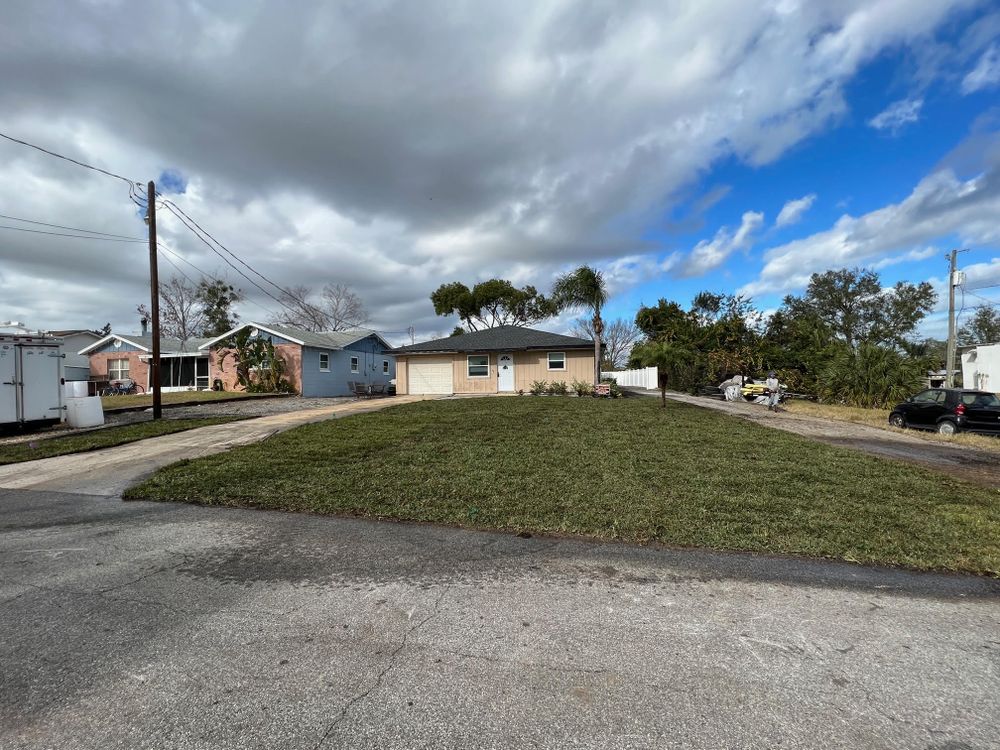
(182, 314)
(337, 308)
(492, 303)
(217, 298)
(982, 328)
(619, 338)
(668, 357)
(856, 308)
(584, 288)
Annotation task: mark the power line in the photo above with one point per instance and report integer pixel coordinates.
(226, 260)
(69, 159)
(985, 286)
(174, 209)
(63, 234)
(213, 277)
(74, 229)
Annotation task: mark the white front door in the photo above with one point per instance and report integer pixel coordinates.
(505, 373)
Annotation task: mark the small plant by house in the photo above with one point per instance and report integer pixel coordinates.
(538, 387)
(582, 388)
(259, 367)
(558, 388)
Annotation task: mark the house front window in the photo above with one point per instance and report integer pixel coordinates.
(385, 367)
(557, 360)
(324, 363)
(479, 365)
(354, 364)
(117, 369)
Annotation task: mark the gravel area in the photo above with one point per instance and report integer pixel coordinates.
(958, 460)
(251, 407)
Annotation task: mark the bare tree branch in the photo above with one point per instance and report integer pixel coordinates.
(338, 308)
(619, 337)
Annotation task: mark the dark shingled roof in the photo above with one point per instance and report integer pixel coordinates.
(501, 339)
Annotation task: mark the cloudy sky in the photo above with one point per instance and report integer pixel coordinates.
(394, 146)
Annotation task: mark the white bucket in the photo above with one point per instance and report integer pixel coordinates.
(75, 389)
(84, 412)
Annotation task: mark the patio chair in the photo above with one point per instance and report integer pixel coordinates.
(359, 389)
(378, 389)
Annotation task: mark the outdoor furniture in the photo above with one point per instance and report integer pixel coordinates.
(359, 389)
(377, 389)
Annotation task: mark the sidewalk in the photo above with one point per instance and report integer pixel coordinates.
(109, 471)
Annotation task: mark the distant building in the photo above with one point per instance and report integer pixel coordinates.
(76, 366)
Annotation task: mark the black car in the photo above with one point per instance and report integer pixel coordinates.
(949, 410)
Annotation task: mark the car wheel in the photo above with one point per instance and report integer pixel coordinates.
(947, 427)
(897, 420)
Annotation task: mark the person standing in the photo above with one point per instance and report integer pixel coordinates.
(774, 389)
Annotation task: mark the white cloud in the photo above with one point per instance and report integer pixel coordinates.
(939, 206)
(393, 148)
(897, 114)
(986, 73)
(792, 211)
(710, 254)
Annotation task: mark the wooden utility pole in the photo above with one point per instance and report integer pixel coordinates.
(949, 365)
(154, 290)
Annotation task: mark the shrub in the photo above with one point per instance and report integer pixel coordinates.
(538, 387)
(871, 377)
(558, 388)
(582, 388)
(616, 392)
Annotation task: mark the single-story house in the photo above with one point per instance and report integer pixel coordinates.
(319, 364)
(981, 367)
(183, 367)
(76, 366)
(496, 360)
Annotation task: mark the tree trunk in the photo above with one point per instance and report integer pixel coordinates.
(662, 377)
(598, 332)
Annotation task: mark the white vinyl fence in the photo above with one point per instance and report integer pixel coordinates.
(643, 378)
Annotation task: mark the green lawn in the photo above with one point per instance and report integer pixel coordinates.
(623, 469)
(174, 397)
(110, 436)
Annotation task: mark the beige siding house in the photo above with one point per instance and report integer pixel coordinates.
(497, 360)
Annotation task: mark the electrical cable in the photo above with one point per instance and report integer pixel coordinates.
(67, 158)
(64, 234)
(74, 229)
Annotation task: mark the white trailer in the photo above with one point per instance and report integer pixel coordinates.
(31, 378)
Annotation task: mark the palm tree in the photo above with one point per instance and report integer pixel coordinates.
(584, 289)
(665, 356)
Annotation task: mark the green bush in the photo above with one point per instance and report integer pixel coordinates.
(872, 377)
(582, 388)
(558, 388)
(616, 392)
(538, 387)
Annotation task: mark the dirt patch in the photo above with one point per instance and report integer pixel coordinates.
(960, 461)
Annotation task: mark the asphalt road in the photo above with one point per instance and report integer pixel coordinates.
(137, 625)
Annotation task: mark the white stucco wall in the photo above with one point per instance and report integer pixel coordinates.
(981, 368)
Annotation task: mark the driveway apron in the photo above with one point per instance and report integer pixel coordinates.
(111, 470)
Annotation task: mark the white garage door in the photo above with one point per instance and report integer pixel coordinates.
(429, 376)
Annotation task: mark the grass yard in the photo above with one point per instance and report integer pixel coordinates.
(880, 418)
(174, 397)
(623, 469)
(104, 438)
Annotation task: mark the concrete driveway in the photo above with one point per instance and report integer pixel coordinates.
(111, 470)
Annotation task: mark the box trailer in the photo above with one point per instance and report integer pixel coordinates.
(31, 377)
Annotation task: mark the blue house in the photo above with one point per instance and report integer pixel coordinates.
(319, 363)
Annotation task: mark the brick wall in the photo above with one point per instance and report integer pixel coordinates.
(138, 369)
(291, 353)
